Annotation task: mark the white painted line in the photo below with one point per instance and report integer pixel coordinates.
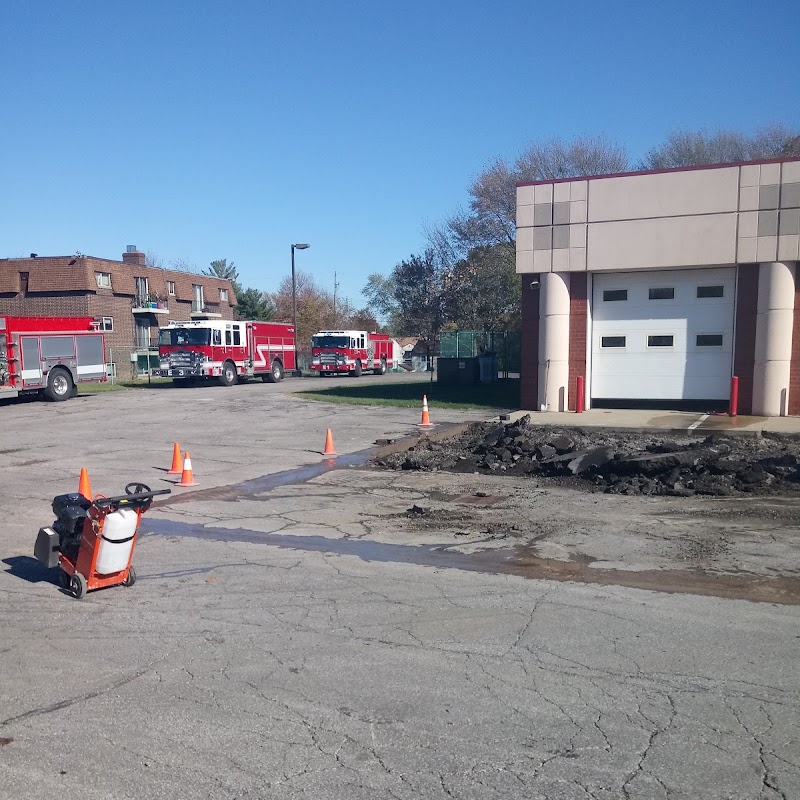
(698, 422)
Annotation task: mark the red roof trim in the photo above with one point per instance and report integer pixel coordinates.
(661, 171)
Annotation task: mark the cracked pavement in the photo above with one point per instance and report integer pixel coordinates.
(276, 646)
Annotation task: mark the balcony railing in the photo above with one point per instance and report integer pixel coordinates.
(206, 311)
(150, 304)
(145, 343)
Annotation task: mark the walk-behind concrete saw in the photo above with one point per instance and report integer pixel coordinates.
(92, 541)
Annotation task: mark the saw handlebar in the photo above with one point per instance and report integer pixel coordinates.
(134, 498)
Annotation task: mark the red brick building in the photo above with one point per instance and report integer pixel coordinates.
(130, 300)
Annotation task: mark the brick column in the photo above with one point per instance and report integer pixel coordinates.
(745, 340)
(529, 346)
(578, 308)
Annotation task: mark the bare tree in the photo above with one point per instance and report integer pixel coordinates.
(695, 148)
(184, 265)
(584, 155)
(153, 259)
(490, 220)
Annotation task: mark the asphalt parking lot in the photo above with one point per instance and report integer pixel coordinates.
(296, 636)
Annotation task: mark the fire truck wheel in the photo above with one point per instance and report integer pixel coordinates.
(357, 370)
(131, 579)
(228, 377)
(382, 368)
(275, 373)
(59, 385)
(77, 585)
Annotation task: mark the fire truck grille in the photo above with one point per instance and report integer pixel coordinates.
(327, 358)
(181, 359)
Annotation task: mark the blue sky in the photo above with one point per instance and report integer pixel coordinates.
(202, 130)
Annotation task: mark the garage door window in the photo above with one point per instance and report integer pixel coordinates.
(612, 341)
(708, 340)
(615, 294)
(667, 293)
(660, 341)
(710, 291)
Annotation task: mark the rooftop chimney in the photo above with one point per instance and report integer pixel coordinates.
(133, 256)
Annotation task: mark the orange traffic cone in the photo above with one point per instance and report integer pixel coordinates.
(329, 449)
(177, 466)
(426, 420)
(84, 487)
(187, 476)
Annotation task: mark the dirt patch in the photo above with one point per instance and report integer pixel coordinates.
(616, 462)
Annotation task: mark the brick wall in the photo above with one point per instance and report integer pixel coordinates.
(744, 353)
(578, 308)
(794, 369)
(529, 357)
(46, 304)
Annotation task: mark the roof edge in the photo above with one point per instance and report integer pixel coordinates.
(631, 173)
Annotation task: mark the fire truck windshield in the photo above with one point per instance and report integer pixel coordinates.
(329, 342)
(184, 336)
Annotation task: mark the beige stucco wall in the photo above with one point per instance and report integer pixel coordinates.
(684, 218)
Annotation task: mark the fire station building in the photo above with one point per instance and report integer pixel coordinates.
(658, 287)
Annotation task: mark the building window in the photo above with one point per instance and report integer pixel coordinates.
(223, 295)
(106, 323)
(710, 291)
(612, 341)
(171, 288)
(142, 291)
(23, 282)
(708, 340)
(662, 294)
(197, 297)
(660, 341)
(615, 294)
(103, 280)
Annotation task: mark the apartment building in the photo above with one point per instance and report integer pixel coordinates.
(129, 299)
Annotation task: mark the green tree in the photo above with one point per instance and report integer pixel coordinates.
(419, 296)
(488, 290)
(254, 305)
(222, 269)
(251, 304)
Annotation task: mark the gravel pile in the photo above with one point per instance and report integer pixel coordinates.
(622, 462)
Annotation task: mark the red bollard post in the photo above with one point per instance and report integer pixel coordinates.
(579, 395)
(733, 408)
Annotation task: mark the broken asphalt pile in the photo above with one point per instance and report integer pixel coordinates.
(615, 461)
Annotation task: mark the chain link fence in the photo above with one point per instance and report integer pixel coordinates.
(503, 345)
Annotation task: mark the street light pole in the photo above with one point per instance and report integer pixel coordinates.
(302, 246)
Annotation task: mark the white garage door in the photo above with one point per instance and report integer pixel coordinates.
(662, 335)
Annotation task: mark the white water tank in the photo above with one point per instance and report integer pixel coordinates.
(116, 541)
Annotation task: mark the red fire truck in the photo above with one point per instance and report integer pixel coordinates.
(351, 352)
(49, 356)
(226, 350)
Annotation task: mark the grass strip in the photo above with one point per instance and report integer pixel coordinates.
(501, 395)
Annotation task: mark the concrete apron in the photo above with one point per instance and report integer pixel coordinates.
(661, 420)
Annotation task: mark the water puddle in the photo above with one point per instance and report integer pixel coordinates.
(265, 483)
(517, 560)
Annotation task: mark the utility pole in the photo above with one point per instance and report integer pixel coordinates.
(335, 289)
